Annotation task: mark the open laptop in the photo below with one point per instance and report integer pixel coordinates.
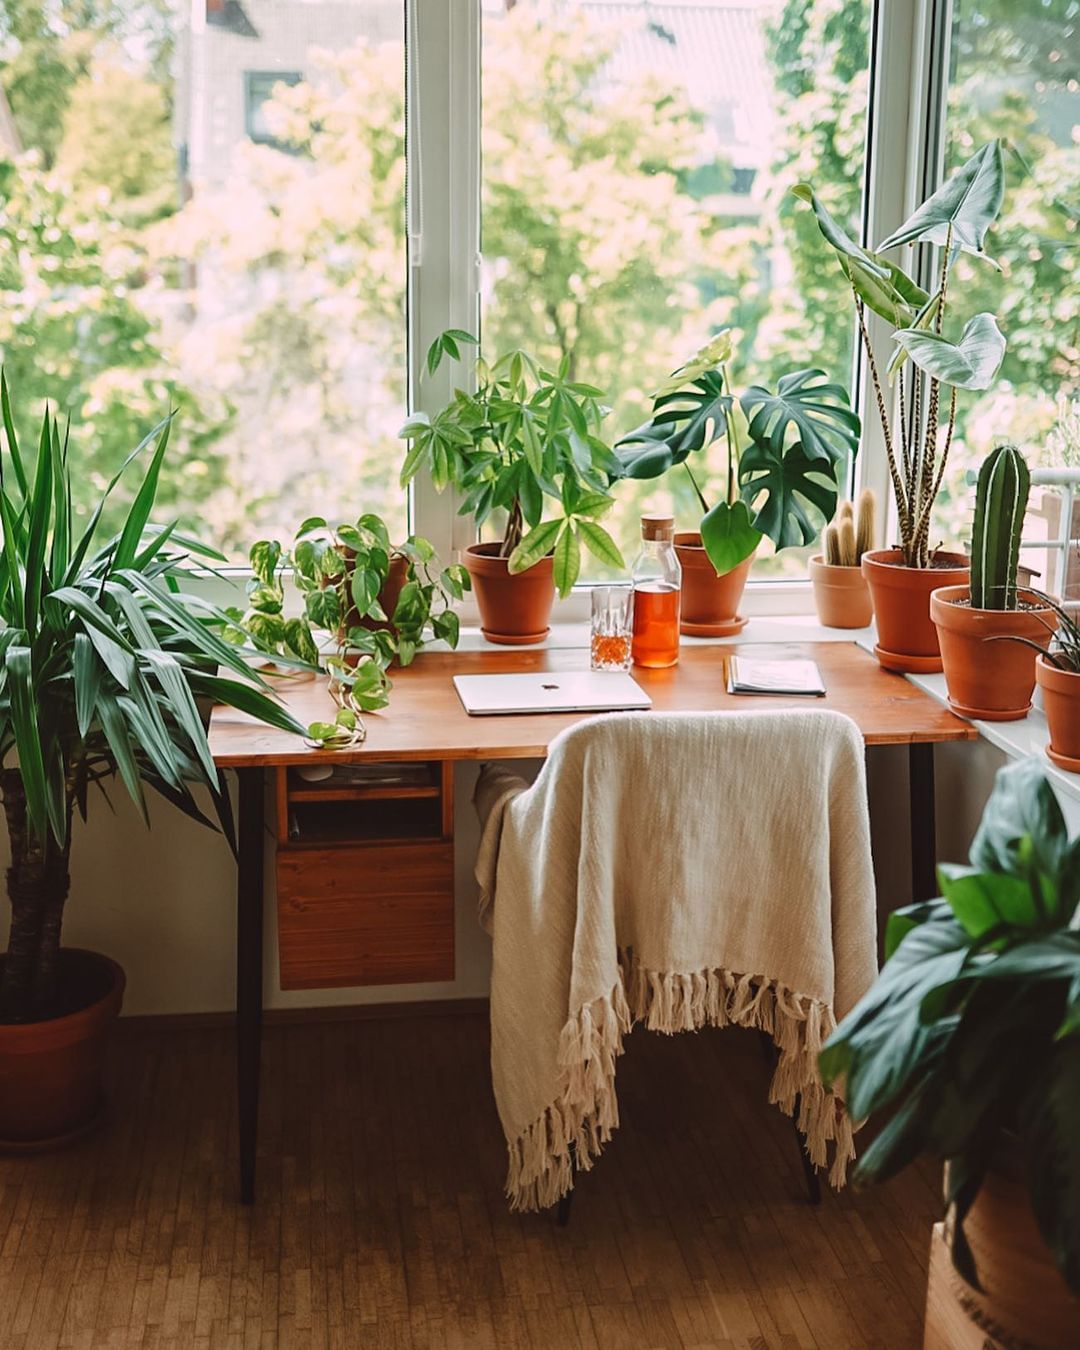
(550, 691)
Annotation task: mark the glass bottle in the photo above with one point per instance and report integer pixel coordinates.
(657, 578)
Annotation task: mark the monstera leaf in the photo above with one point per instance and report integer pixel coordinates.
(962, 209)
(970, 363)
(790, 481)
(819, 412)
(728, 535)
(684, 420)
(879, 283)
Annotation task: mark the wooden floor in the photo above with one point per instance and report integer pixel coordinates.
(381, 1222)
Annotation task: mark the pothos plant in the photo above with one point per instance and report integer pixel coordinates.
(781, 469)
(342, 573)
(524, 439)
(918, 430)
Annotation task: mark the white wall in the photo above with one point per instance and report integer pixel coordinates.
(161, 901)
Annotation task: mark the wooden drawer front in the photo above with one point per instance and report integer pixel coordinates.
(366, 914)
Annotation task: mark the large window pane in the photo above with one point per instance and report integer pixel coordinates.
(1014, 74)
(637, 160)
(203, 207)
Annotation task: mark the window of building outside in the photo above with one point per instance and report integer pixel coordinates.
(1015, 73)
(189, 221)
(637, 160)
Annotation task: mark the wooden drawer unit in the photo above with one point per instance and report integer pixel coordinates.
(365, 881)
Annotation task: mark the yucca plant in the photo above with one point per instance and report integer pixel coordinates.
(104, 659)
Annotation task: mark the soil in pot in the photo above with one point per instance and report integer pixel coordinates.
(989, 680)
(907, 639)
(51, 1070)
(1061, 701)
(710, 603)
(515, 608)
(841, 595)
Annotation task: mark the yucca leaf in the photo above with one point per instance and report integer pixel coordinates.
(112, 646)
(116, 733)
(16, 613)
(12, 439)
(87, 676)
(246, 698)
(143, 717)
(24, 723)
(143, 504)
(40, 506)
(175, 687)
(61, 536)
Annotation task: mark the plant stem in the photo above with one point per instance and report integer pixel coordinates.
(902, 501)
(733, 442)
(693, 480)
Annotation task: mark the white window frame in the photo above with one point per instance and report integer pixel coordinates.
(905, 128)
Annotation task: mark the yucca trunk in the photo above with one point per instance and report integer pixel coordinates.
(38, 881)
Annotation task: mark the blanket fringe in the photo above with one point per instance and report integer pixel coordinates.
(572, 1131)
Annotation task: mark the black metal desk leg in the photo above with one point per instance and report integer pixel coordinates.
(249, 962)
(923, 830)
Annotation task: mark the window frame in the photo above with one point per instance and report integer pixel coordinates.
(905, 149)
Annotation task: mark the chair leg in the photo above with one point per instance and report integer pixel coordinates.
(562, 1214)
(813, 1182)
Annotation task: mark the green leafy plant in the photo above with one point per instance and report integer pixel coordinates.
(341, 573)
(797, 440)
(104, 660)
(971, 1034)
(1001, 497)
(525, 437)
(956, 219)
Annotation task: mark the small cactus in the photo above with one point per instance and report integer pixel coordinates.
(850, 536)
(1001, 497)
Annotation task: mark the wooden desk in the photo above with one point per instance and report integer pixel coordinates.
(425, 720)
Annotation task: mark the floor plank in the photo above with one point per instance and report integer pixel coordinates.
(381, 1221)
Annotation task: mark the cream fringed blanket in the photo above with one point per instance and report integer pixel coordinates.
(682, 870)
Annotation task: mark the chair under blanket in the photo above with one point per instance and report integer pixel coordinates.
(680, 870)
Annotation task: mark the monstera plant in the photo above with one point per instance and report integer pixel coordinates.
(781, 480)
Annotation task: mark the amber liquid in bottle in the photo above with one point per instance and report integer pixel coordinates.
(656, 624)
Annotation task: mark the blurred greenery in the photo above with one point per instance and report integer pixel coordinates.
(269, 307)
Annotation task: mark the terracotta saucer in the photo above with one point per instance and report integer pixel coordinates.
(905, 664)
(989, 714)
(515, 639)
(1063, 761)
(728, 628)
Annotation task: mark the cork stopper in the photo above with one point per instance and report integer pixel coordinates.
(658, 527)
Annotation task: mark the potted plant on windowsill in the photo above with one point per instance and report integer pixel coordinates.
(796, 441)
(841, 595)
(379, 601)
(104, 660)
(526, 436)
(956, 218)
(994, 684)
(1057, 673)
(967, 1048)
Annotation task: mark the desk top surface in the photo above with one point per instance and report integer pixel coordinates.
(425, 719)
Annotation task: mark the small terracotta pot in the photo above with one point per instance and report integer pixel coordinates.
(1023, 1299)
(991, 682)
(515, 608)
(51, 1071)
(1061, 700)
(710, 603)
(841, 595)
(907, 639)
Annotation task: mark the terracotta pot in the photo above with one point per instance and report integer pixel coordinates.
(710, 603)
(51, 1071)
(907, 639)
(388, 595)
(1061, 700)
(841, 595)
(1024, 1301)
(992, 682)
(515, 609)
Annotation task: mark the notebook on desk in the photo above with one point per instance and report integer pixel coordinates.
(751, 675)
(550, 691)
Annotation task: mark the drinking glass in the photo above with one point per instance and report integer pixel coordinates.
(612, 627)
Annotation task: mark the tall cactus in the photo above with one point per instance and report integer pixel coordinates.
(1001, 498)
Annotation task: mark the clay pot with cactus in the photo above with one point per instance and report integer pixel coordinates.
(841, 595)
(994, 684)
